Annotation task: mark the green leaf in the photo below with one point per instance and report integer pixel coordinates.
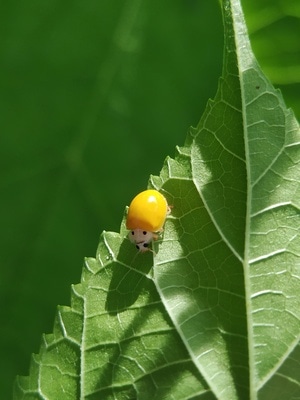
(237, 302)
(214, 311)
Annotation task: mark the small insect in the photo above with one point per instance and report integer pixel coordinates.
(146, 217)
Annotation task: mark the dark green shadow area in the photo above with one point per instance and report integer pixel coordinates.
(128, 282)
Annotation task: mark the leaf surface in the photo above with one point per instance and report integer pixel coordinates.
(237, 301)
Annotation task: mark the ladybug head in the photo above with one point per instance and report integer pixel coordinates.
(141, 239)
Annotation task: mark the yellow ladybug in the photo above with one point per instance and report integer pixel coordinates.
(146, 216)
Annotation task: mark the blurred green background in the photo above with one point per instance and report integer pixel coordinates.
(94, 95)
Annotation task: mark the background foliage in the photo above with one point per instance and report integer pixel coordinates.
(94, 96)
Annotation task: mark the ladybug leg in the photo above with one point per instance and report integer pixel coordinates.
(169, 209)
(155, 236)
